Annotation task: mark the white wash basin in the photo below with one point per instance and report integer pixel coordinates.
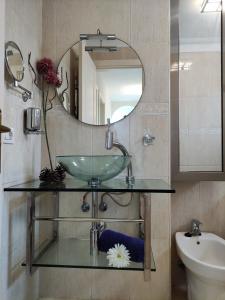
(204, 259)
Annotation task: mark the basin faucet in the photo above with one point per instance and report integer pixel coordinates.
(109, 144)
(195, 227)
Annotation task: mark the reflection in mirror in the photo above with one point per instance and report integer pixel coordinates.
(100, 82)
(14, 61)
(200, 99)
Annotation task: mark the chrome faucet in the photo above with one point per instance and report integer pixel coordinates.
(195, 228)
(109, 144)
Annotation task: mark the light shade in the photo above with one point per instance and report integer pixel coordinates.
(211, 6)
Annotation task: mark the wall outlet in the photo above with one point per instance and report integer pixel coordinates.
(9, 137)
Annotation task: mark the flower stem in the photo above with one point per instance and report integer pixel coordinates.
(44, 108)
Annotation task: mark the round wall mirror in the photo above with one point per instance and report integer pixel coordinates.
(14, 61)
(101, 79)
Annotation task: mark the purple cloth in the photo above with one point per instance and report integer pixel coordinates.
(134, 245)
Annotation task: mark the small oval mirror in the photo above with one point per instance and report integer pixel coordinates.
(14, 61)
(100, 80)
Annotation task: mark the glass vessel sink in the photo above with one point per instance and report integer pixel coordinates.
(94, 169)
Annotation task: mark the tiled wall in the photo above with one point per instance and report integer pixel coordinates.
(20, 161)
(145, 25)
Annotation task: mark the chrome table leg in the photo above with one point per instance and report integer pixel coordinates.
(94, 232)
(147, 234)
(30, 232)
(56, 215)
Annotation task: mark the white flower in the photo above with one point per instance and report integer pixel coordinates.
(118, 256)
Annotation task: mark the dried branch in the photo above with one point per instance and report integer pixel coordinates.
(35, 81)
(67, 84)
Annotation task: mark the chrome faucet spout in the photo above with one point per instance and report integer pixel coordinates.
(121, 148)
(129, 178)
(108, 137)
(109, 144)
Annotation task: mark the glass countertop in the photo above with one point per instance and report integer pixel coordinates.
(75, 253)
(113, 185)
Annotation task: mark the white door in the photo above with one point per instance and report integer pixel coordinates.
(87, 87)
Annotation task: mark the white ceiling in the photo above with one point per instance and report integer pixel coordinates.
(196, 27)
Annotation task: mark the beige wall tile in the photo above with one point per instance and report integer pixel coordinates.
(155, 59)
(109, 285)
(212, 202)
(49, 36)
(152, 26)
(66, 283)
(151, 161)
(87, 16)
(70, 206)
(161, 216)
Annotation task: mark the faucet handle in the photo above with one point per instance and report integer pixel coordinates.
(195, 224)
(195, 230)
(108, 122)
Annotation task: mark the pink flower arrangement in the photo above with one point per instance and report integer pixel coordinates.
(44, 65)
(51, 78)
(46, 69)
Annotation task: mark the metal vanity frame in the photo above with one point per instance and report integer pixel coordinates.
(34, 189)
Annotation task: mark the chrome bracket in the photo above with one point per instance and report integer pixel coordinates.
(148, 139)
(97, 36)
(26, 94)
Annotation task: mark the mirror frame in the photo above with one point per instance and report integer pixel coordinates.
(143, 85)
(176, 174)
(7, 62)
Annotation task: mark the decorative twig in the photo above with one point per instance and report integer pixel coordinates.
(55, 94)
(51, 107)
(32, 69)
(45, 99)
(67, 84)
(61, 74)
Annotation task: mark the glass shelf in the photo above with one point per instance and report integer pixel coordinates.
(113, 185)
(75, 253)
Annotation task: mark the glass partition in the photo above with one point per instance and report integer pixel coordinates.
(200, 81)
(197, 100)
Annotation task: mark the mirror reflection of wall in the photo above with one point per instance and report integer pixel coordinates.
(97, 85)
(200, 100)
